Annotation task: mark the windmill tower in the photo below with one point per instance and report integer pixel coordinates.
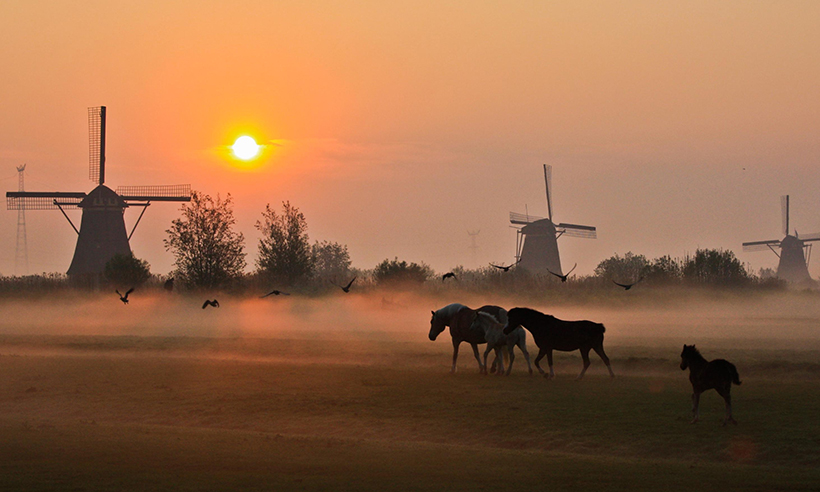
(536, 245)
(473, 243)
(102, 232)
(795, 251)
(21, 249)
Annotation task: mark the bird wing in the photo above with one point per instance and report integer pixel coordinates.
(559, 276)
(268, 294)
(351, 282)
(118, 292)
(205, 304)
(499, 267)
(215, 303)
(129, 291)
(625, 286)
(573, 268)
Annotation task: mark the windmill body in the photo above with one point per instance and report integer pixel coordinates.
(102, 233)
(537, 238)
(793, 250)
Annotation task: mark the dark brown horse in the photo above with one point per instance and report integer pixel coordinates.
(704, 375)
(551, 333)
(460, 318)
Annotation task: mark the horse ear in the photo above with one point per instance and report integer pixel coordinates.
(434, 313)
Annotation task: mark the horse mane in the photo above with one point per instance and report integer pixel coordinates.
(529, 311)
(692, 352)
(488, 315)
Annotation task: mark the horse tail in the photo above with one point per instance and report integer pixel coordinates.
(603, 328)
(734, 374)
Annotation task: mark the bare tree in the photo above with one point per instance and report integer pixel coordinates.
(208, 252)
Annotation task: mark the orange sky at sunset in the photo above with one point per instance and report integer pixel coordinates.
(397, 128)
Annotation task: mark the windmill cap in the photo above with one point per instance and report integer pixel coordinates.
(102, 197)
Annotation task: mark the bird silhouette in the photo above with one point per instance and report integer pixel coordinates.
(208, 302)
(505, 268)
(346, 288)
(448, 275)
(564, 276)
(627, 286)
(124, 298)
(275, 293)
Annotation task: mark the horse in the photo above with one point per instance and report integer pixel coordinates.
(460, 318)
(496, 339)
(551, 333)
(718, 374)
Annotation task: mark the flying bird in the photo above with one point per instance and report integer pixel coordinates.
(448, 275)
(208, 302)
(275, 293)
(346, 288)
(124, 298)
(505, 268)
(564, 276)
(627, 286)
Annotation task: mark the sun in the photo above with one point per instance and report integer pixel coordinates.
(245, 148)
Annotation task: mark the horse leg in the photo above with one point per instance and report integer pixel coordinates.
(727, 397)
(695, 402)
(455, 355)
(523, 347)
(599, 349)
(511, 356)
(541, 354)
(499, 356)
(487, 351)
(481, 367)
(549, 360)
(585, 357)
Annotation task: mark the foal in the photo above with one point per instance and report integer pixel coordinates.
(493, 328)
(704, 375)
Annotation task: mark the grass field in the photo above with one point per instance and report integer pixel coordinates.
(370, 407)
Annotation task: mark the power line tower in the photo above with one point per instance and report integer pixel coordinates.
(473, 244)
(21, 250)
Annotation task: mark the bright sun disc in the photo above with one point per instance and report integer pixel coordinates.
(245, 148)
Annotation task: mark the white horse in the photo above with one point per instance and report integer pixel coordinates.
(459, 318)
(493, 329)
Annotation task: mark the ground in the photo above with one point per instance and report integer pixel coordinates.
(368, 407)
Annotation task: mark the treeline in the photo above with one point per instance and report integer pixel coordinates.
(210, 255)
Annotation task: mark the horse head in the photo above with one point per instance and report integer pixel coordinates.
(513, 320)
(685, 355)
(437, 325)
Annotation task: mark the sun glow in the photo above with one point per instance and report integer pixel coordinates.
(245, 148)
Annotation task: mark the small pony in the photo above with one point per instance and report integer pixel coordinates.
(496, 339)
(704, 375)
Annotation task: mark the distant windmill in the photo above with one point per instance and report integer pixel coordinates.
(473, 244)
(21, 249)
(537, 241)
(102, 231)
(794, 252)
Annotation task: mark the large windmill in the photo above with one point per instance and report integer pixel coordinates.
(536, 247)
(102, 232)
(794, 251)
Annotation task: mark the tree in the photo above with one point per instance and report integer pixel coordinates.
(396, 272)
(714, 266)
(627, 269)
(126, 271)
(330, 260)
(664, 270)
(284, 250)
(208, 252)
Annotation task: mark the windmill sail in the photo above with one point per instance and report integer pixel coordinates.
(156, 193)
(784, 213)
(33, 200)
(96, 144)
(548, 186)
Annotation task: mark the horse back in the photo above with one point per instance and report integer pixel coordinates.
(569, 335)
(497, 312)
(460, 327)
(715, 373)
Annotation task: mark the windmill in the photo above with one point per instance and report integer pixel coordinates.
(794, 251)
(536, 245)
(102, 232)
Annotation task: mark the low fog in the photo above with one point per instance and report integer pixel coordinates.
(775, 320)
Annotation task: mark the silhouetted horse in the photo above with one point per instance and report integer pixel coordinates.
(551, 333)
(460, 318)
(496, 339)
(704, 375)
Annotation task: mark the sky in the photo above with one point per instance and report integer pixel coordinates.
(397, 127)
